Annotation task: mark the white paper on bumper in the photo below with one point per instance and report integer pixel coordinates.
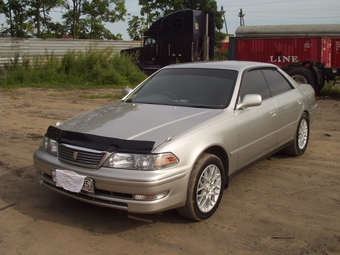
(69, 180)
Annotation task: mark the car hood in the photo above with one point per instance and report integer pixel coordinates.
(138, 121)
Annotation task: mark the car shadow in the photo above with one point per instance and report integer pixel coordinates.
(22, 192)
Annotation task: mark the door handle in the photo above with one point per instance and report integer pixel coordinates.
(272, 113)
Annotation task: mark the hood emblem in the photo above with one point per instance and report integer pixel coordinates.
(75, 155)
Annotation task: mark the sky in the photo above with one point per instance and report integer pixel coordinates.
(257, 12)
(261, 12)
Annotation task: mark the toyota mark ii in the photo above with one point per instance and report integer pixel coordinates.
(176, 140)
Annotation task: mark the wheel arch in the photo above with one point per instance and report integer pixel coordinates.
(305, 111)
(219, 152)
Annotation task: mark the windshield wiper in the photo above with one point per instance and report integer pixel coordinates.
(204, 106)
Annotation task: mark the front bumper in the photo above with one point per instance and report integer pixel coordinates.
(116, 188)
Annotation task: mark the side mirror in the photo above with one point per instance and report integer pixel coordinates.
(249, 100)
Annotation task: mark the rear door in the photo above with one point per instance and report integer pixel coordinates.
(289, 104)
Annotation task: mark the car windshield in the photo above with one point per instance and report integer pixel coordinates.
(191, 87)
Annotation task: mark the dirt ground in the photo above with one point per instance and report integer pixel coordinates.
(282, 205)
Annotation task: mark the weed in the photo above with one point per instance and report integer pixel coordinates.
(331, 88)
(93, 68)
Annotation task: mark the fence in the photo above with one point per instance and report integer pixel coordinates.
(30, 47)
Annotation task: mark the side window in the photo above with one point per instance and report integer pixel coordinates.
(254, 83)
(277, 83)
(149, 41)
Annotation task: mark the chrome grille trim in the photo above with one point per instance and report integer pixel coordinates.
(80, 156)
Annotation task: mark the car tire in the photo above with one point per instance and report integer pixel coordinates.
(301, 138)
(303, 76)
(205, 188)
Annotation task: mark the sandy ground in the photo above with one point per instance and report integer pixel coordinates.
(282, 205)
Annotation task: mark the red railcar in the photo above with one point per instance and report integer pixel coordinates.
(336, 52)
(283, 51)
(309, 53)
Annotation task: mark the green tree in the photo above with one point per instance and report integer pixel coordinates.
(72, 15)
(87, 17)
(17, 18)
(39, 14)
(28, 17)
(56, 30)
(97, 12)
(2, 12)
(2, 5)
(137, 25)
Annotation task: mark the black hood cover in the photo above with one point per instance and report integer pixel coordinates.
(96, 142)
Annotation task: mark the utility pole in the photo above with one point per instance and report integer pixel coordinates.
(225, 21)
(241, 15)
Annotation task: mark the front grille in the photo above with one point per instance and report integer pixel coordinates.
(78, 156)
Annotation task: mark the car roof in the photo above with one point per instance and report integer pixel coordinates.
(226, 64)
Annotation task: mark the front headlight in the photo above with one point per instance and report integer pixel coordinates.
(49, 145)
(141, 161)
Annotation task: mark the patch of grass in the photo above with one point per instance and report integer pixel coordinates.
(81, 70)
(222, 55)
(331, 89)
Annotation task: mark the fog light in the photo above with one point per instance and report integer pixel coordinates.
(151, 197)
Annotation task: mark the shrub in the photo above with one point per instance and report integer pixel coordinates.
(222, 55)
(90, 69)
(331, 88)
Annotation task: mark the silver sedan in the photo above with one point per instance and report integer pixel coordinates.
(176, 140)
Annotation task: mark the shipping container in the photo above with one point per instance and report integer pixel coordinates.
(336, 52)
(309, 53)
(284, 51)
